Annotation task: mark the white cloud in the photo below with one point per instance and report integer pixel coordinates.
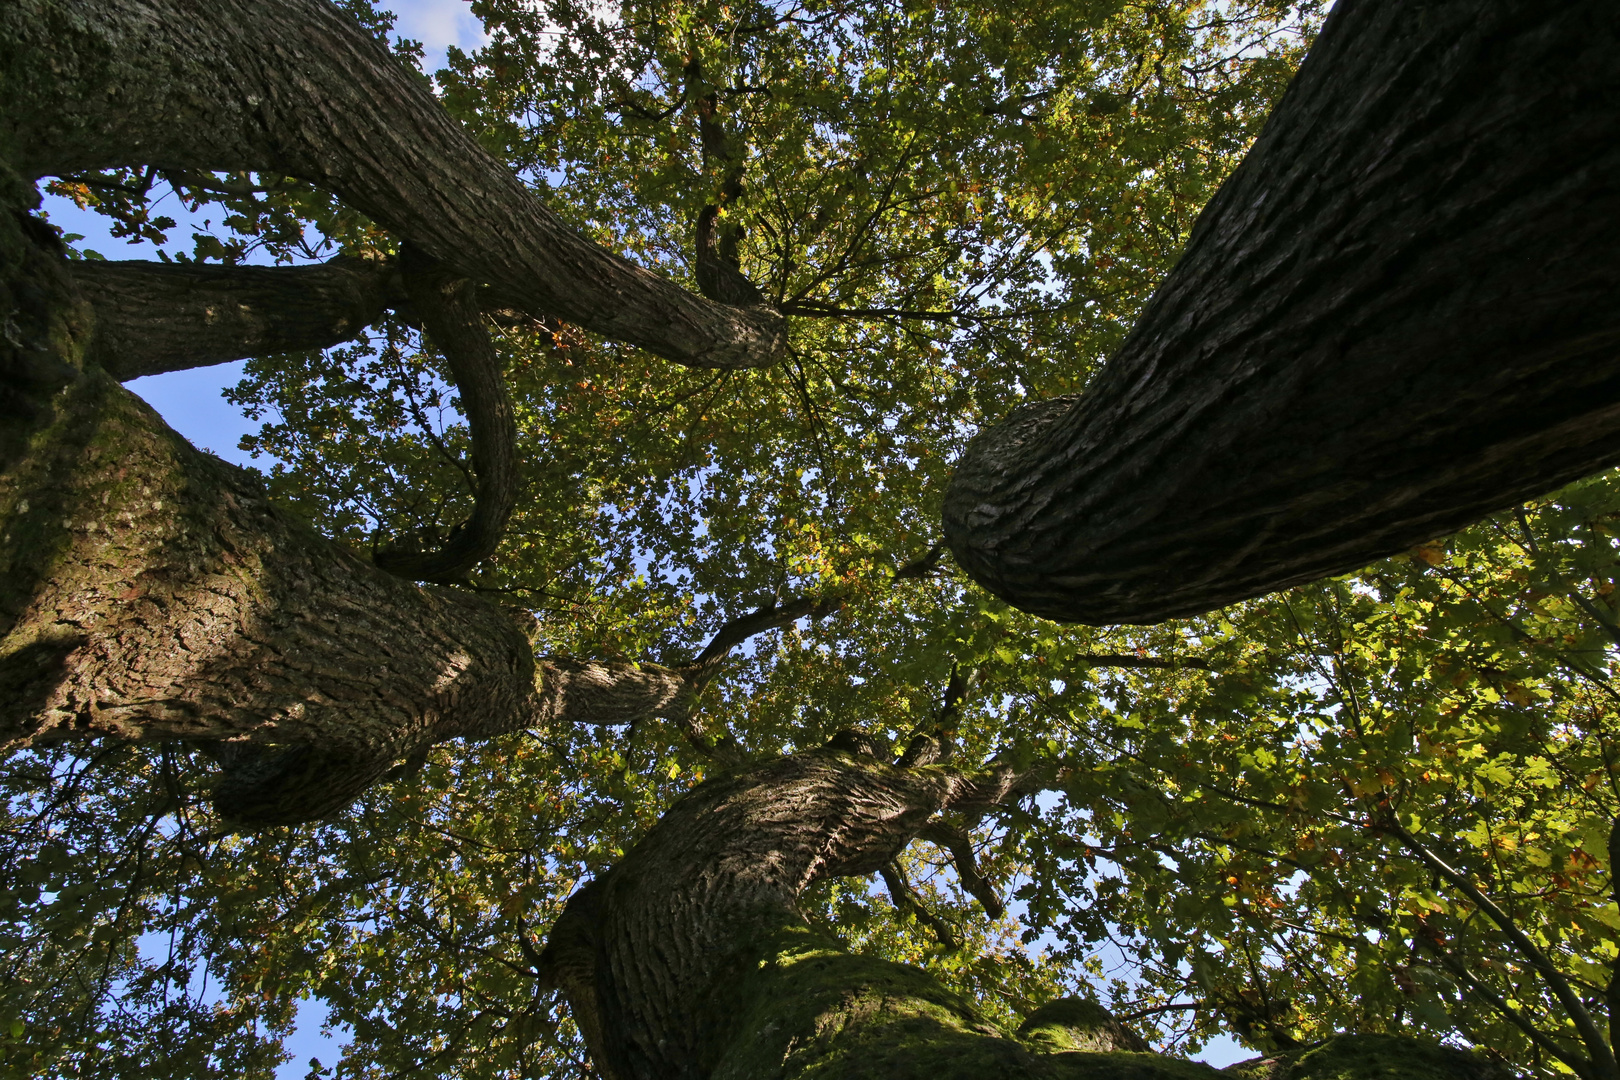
(437, 24)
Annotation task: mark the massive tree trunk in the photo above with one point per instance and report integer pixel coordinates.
(148, 591)
(1400, 313)
(691, 958)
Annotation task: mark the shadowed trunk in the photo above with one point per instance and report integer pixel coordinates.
(691, 959)
(1401, 312)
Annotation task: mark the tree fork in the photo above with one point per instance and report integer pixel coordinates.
(296, 87)
(149, 591)
(1400, 313)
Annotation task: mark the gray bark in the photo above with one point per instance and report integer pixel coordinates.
(1401, 312)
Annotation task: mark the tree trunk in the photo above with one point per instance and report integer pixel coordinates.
(691, 959)
(1401, 312)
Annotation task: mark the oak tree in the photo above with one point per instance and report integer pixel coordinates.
(568, 569)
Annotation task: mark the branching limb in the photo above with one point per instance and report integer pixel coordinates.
(1132, 660)
(1603, 1064)
(297, 88)
(1580, 1066)
(933, 742)
(922, 566)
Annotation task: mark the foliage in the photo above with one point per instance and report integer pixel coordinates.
(960, 205)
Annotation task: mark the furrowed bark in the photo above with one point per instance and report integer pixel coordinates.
(157, 317)
(691, 959)
(266, 785)
(1399, 314)
(150, 591)
(295, 87)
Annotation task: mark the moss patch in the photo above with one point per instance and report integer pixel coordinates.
(1370, 1057)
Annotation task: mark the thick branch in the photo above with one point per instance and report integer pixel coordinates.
(275, 785)
(149, 591)
(156, 317)
(295, 87)
(1396, 316)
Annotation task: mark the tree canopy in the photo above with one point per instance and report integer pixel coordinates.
(1380, 803)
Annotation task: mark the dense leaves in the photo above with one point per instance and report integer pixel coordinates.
(960, 205)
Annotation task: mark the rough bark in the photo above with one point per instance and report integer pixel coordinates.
(150, 591)
(158, 317)
(691, 958)
(295, 87)
(1399, 314)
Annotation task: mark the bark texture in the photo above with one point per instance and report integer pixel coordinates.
(150, 591)
(294, 87)
(691, 959)
(1400, 313)
(158, 317)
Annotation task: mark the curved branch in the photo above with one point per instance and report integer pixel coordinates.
(1397, 316)
(449, 309)
(295, 87)
(156, 317)
(736, 631)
